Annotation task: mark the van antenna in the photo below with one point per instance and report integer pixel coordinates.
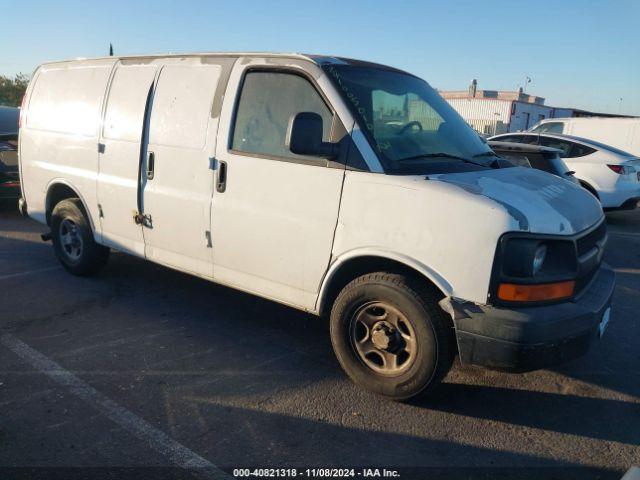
(111, 50)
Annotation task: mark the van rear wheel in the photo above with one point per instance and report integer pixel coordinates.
(73, 239)
(391, 336)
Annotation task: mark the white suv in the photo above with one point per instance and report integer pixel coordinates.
(610, 174)
(342, 188)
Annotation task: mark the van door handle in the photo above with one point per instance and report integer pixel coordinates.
(221, 184)
(151, 161)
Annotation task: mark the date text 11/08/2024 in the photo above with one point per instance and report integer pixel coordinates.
(315, 473)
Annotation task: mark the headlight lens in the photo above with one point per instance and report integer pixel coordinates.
(534, 268)
(530, 258)
(538, 258)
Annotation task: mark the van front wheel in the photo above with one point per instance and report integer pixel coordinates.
(73, 239)
(390, 335)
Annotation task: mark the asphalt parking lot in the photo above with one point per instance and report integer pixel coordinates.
(144, 366)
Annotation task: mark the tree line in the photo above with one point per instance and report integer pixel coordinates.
(12, 89)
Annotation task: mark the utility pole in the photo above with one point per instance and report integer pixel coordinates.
(495, 124)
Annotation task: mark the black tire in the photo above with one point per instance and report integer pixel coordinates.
(434, 337)
(89, 257)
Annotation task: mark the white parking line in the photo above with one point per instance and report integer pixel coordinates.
(623, 233)
(627, 270)
(177, 453)
(29, 272)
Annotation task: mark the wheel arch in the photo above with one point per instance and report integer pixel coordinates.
(354, 264)
(59, 190)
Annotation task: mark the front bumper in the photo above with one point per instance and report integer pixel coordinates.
(530, 338)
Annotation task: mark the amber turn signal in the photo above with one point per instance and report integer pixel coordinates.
(534, 293)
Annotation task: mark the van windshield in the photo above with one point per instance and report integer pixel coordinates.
(405, 120)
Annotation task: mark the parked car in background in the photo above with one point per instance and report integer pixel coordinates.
(9, 176)
(622, 133)
(9, 119)
(612, 175)
(298, 179)
(534, 156)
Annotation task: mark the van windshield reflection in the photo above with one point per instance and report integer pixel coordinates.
(404, 118)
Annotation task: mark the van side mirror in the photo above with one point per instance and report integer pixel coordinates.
(304, 136)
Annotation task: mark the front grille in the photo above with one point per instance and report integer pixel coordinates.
(590, 240)
(589, 265)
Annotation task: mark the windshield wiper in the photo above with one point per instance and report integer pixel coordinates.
(488, 153)
(441, 155)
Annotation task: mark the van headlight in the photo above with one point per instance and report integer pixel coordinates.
(534, 268)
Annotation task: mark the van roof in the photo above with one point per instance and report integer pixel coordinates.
(187, 54)
(317, 59)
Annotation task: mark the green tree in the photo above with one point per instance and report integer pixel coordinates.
(12, 89)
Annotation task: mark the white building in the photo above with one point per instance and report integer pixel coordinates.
(492, 112)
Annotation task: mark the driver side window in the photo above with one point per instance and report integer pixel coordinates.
(267, 101)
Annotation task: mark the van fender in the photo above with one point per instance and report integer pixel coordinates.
(338, 262)
(66, 183)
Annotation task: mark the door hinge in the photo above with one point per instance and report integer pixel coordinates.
(101, 147)
(100, 212)
(207, 235)
(142, 219)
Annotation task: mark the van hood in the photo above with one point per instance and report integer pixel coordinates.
(538, 201)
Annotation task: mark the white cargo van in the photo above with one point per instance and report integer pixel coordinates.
(343, 188)
(622, 133)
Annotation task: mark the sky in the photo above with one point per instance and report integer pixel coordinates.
(578, 53)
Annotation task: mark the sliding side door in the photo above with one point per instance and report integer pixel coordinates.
(121, 147)
(177, 175)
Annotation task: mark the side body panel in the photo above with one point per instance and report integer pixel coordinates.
(59, 136)
(449, 234)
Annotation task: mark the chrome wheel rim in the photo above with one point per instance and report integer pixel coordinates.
(383, 338)
(70, 239)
